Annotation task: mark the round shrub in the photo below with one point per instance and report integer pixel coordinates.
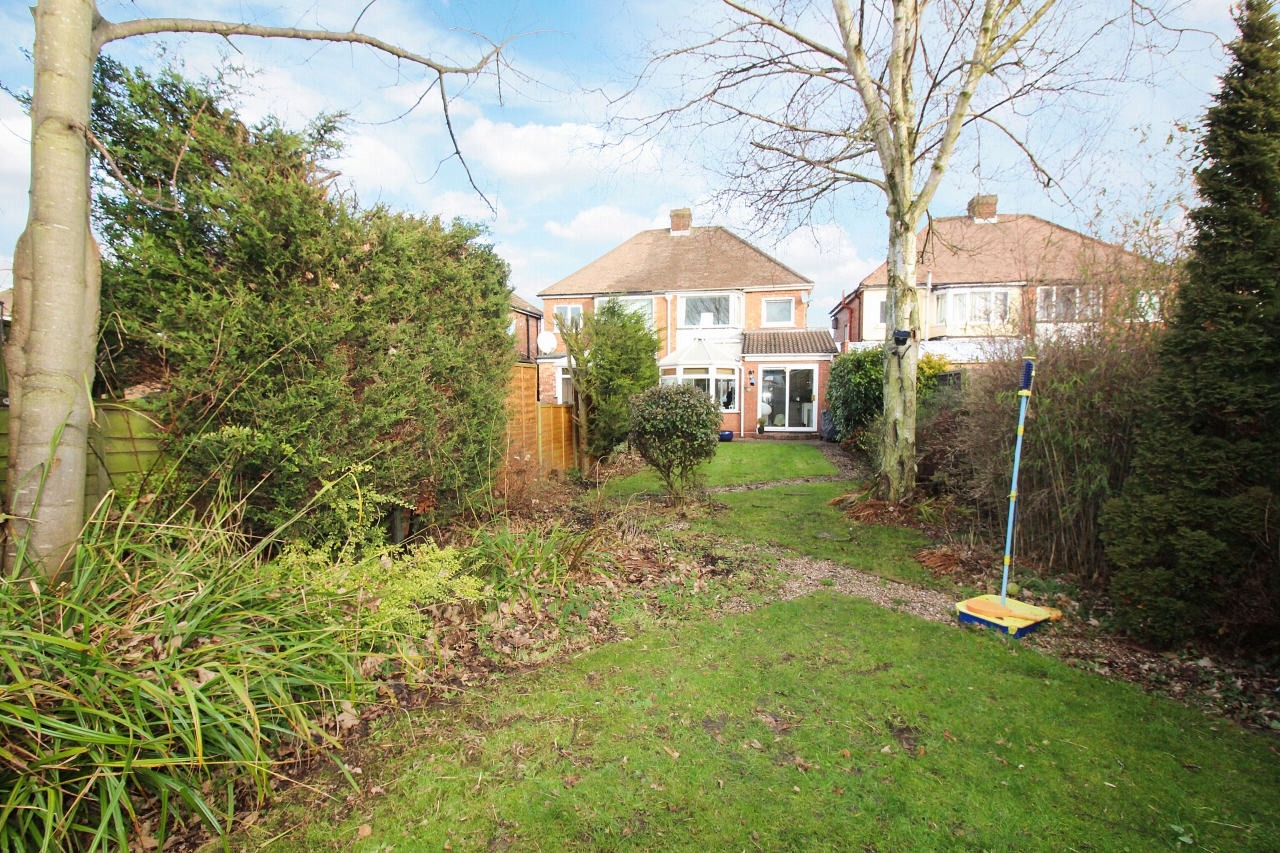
(675, 428)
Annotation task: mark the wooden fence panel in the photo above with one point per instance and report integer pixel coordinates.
(557, 438)
(122, 442)
(522, 423)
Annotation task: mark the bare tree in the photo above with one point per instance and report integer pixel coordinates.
(815, 99)
(50, 354)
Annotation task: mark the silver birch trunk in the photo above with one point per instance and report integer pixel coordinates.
(898, 439)
(55, 314)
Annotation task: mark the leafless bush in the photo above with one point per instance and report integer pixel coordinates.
(1085, 413)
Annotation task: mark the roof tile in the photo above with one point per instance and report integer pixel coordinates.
(708, 258)
(806, 342)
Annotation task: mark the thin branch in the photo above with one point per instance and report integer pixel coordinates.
(124, 182)
(457, 149)
(105, 32)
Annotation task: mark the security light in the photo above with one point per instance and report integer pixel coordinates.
(900, 338)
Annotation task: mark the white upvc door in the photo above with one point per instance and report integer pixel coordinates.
(788, 396)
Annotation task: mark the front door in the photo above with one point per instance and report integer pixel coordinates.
(787, 398)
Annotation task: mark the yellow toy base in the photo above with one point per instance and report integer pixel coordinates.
(1015, 618)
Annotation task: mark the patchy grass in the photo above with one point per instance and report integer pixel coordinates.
(819, 724)
(739, 462)
(798, 517)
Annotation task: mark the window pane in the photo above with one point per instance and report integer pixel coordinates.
(884, 312)
(959, 308)
(777, 310)
(1064, 305)
(642, 306)
(668, 371)
(700, 371)
(727, 394)
(980, 307)
(716, 306)
(700, 382)
(999, 306)
(1044, 304)
(940, 309)
(726, 371)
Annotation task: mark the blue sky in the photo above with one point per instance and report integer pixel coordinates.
(564, 195)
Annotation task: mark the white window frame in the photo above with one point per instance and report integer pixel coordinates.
(764, 312)
(711, 376)
(1086, 309)
(735, 310)
(653, 308)
(962, 302)
(568, 312)
(884, 313)
(791, 366)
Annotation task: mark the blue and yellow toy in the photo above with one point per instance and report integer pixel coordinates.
(1014, 618)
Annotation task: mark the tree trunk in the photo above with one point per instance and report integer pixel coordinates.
(898, 442)
(50, 356)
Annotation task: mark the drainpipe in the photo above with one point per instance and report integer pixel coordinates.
(928, 295)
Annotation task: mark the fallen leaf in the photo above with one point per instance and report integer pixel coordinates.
(755, 744)
(838, 790)
(888, 750)
(364, 831)
(669, 751)
(846, 753)
(570, 781)
(795, 788)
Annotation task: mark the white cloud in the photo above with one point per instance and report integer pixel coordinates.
(15, 168)
(600, 224)
(540, 155)
(828, 255)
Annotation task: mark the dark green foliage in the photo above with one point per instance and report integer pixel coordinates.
(675, 428)
(297, 339)
(624, 355)
(855, 391)
(614, 353)
(1195, 534)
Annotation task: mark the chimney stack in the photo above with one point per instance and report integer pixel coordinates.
(681, 221)
(982, 208)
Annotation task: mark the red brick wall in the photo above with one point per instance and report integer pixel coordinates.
(526, 333)
(548, 376)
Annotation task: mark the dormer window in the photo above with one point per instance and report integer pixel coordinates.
(707, 311)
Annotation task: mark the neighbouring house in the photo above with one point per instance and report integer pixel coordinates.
(730, 320)
(526, 323)
(987, 276)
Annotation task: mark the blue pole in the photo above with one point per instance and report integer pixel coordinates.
(1028, 374)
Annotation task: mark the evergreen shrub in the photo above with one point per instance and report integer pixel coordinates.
(675, 428)
(855, 391)
(291, 340)
(1194, 535)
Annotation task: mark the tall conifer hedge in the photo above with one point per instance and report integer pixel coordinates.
(1195, 537)
(288, 337)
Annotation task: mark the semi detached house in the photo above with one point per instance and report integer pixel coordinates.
(730, 321)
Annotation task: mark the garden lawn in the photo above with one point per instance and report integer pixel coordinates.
(799, 517)
(819, 724)
(737, 463)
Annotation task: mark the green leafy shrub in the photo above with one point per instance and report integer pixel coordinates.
(613, 356)
(1194, 534)
(291, 338)
(855, 391)
(675, 428)
(390, 586)
(161, 661)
